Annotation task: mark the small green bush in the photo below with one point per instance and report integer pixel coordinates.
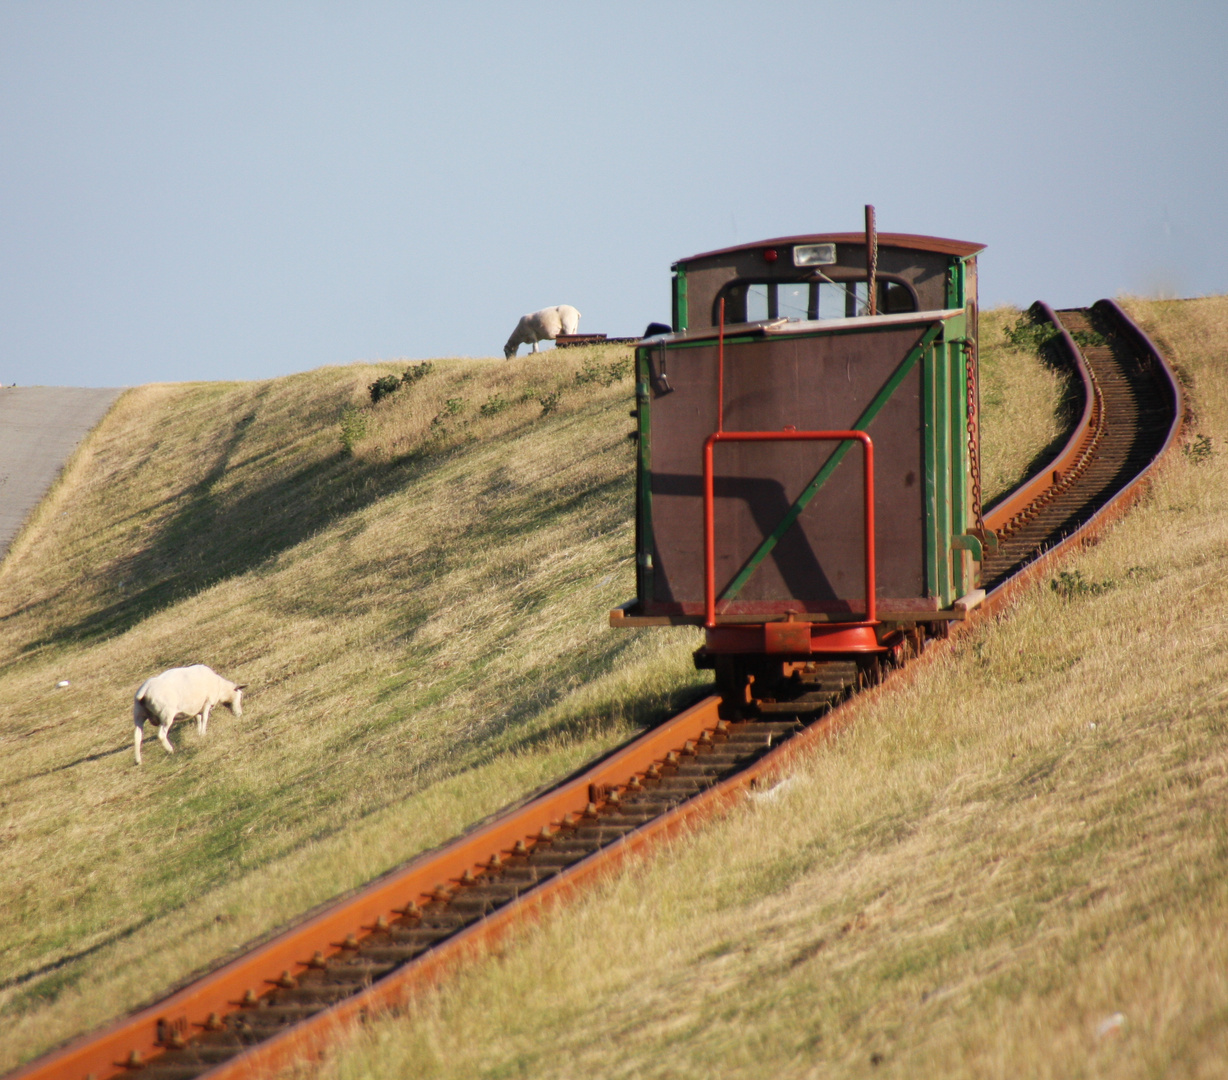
(1070, 584)
(605, 374)
(454, 406)
(618, 370)
(353, 427)
(493, 406)
(382, 387)
(390, 384)
(550, 402)
(1029, 335)
(1200, 449)
(1087, 338)
(416, 372)
(590, 372)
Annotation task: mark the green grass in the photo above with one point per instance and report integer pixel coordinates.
(415, 590)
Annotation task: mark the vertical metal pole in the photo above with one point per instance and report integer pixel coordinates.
(872, 258)
(720, 371)
(709, 539)
(868, 473)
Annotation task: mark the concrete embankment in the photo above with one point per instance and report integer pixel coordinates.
(40, 426)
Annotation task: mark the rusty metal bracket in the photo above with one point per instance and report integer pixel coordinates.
(660, 382)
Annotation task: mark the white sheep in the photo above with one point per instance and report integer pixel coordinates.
(544, 325)
(182, 691)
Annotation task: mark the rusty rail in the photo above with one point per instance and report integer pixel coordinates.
(272, 1007)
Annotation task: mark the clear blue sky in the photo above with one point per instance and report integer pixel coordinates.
(239, 190)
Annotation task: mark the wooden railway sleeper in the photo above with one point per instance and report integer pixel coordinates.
(321, 993)
(279, 1014)
(708, 765)
(715, 760)
(611, 828)
(210, 1049)
(263, 1023)
(496, 888)
(556, 860)
(573, 848)
(646, 808)
(770, 727)
(537, 872)
(475, 907)
(394, 954)
(419, 935)
(629, 817)
(435, 917)
(676, 788)
(529, 873)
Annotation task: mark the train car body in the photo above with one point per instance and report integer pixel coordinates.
(807, 480)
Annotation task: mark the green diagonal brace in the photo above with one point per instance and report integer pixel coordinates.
(821, 477)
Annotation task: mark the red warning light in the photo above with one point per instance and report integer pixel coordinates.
(769, 255)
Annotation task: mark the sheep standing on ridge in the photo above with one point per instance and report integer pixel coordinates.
(544, 325)
(182, 691)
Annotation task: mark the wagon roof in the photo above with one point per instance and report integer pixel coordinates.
(960, 248)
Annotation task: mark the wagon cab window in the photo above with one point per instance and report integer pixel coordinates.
(756, 301)
(772, 300)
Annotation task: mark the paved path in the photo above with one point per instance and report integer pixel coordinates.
(40, 426)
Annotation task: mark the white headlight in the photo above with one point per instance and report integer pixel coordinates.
(814, 254)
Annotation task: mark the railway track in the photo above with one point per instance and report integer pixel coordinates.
(285, 1000)
(1129, 405)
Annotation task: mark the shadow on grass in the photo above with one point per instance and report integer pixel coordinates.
(643, 714)
(62, 975)
(215, 536)
(73, 764)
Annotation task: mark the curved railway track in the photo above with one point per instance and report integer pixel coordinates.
(286, 999)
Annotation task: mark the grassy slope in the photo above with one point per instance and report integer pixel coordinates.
(422, 625)
(1012, 866)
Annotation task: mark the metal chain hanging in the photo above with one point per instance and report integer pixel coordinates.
(974, 464)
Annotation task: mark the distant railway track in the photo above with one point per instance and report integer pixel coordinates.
(285, 1000)
(1131, 414)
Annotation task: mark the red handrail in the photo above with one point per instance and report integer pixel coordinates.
(783, 436)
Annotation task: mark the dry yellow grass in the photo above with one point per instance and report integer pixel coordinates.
(1015, 865)
(421, 622)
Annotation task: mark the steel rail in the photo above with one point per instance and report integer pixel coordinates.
(158, 1041)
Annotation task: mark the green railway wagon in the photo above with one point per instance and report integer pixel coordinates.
(807, 478)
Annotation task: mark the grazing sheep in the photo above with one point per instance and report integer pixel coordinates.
(182, 691)
(544, 325)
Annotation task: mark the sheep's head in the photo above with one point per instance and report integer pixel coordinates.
(509, 351)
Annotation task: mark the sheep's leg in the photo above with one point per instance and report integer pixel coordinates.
(139, 715)
(164, 731)
(534, 346)
(202, 721)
